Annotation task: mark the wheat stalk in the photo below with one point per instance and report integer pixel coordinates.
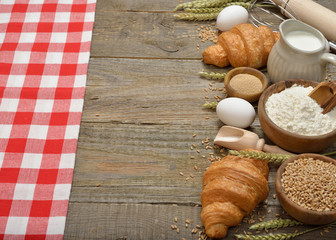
(212, 75)
(218, 4)
(276, 223)
(197, 16)
(271, 157)
(280, 236)
(210, 105)
(205, 4)
(203, 10)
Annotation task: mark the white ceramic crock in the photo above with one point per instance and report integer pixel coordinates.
(288, 62)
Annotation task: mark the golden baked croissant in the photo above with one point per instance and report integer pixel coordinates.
(232, 188)
(243, 46)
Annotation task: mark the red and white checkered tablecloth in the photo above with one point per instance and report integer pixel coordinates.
(44, 55)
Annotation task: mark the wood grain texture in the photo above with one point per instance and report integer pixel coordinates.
(145, 35)
(142, 127)
(152, 91)
(149, 30)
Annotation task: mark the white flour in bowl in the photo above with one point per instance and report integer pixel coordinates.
(293, 110)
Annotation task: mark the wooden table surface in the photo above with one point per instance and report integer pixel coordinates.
(145, 139)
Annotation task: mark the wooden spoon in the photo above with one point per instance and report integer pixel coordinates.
(323, 94)
(330, 105)
(240, 139)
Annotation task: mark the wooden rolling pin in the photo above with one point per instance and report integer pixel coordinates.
(313, 14)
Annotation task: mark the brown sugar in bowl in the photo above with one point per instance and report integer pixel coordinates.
(250, 96)
(290, 141)
(296, 211)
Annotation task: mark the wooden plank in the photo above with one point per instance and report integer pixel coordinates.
(143, 29)
(145, 35)
(160, 191)
(148, 33)
(149, 91)
(153, 156)
(131, 221)
(147, 221)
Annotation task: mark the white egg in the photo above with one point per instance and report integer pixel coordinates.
(230, 17)
(236, 112)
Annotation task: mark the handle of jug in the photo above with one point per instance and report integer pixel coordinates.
(325, 59)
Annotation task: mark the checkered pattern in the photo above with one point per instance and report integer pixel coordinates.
(44, 54)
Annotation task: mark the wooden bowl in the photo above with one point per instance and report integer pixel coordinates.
(252, 97)
(283, 138)
(300, 213)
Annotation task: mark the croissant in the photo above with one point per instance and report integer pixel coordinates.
(244, 45)
(232, 188)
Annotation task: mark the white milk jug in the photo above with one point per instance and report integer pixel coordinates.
(299, 53)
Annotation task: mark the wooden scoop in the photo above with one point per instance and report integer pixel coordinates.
(325, 95)
(240, 139)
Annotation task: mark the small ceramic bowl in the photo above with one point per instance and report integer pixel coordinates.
(300, 213)
(290, 141)
(252, 97)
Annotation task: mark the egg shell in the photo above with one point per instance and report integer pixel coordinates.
(236, 112)
(230, 17)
